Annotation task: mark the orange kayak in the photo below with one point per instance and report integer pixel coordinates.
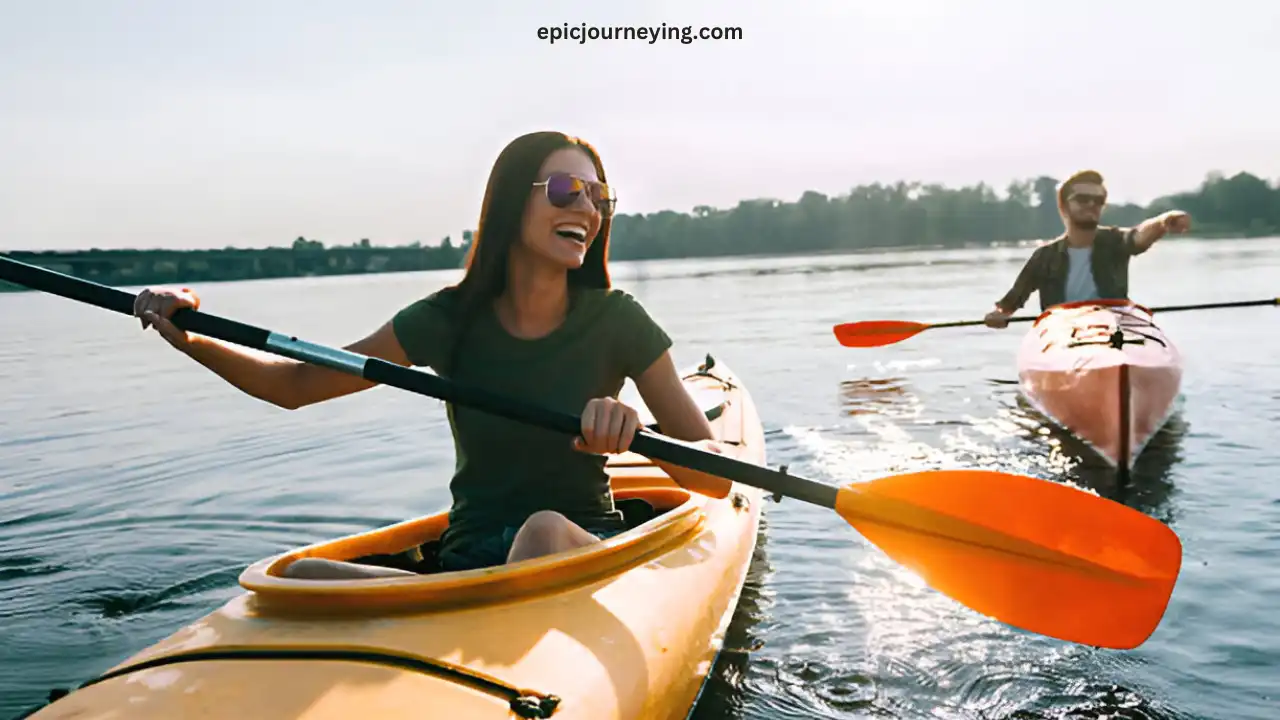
(1103, 370)
(626, 628)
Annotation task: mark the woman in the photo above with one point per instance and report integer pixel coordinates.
(533, 318)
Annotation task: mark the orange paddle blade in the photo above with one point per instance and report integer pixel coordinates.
(1033, 554)
(876, 333)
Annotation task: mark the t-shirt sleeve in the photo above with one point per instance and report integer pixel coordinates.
(424, 329)
(641, 340)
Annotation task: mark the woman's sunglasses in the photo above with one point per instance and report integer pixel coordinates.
(563, 190)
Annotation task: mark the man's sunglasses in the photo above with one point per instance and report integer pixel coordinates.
(563, 190)
(1088, 199)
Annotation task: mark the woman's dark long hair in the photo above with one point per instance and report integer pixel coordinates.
(508, 191)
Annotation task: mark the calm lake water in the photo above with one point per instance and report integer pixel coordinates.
(136, 486)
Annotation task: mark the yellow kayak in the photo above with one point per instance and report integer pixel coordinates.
(626, 628)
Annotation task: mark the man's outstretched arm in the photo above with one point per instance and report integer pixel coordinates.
(1152, 229)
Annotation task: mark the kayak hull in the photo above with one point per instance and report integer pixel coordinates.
(1105, 372)
(626, 628)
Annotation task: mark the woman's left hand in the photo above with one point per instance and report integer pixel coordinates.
(608, 426)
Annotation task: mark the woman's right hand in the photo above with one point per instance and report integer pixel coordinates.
(154, 308)
(608, 426)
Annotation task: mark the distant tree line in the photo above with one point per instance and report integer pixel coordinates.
(901, 215)
(304, 258)
(917, 215)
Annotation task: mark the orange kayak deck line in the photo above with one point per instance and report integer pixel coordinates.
(626, 628)
(1103, 370)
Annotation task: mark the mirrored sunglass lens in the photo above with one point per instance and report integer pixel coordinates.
(562, 189)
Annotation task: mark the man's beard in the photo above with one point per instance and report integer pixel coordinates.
(1085, 223)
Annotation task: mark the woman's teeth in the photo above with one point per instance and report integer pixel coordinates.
(572, 232)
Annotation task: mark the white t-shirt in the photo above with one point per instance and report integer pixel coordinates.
(1080, 284)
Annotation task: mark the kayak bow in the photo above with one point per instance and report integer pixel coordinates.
(1104, 371)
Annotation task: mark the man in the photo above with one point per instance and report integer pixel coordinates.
(1087, 262)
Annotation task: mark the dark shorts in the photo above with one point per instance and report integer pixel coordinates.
(476, 550)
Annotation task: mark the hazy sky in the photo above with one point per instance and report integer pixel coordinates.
(177, 123)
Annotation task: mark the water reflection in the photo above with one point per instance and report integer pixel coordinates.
(724, 695)
(878, 642)
(876, 396)
(1150, 486)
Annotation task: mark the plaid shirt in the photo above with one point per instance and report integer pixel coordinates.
(1046, 270)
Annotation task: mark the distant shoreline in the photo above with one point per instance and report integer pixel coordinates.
(870, 218)
(169, 267)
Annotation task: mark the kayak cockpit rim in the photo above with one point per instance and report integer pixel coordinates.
(1096, 304)
(679, 513)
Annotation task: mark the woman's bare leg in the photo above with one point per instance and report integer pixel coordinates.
(547, 532)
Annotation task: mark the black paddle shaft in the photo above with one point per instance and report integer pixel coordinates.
(1165, 309)
(646, 443)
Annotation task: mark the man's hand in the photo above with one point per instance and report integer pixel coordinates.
(1152, 229)
(1176, 221)
(1155, 228)
(997, 318)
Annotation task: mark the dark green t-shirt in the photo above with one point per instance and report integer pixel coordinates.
(507, 470)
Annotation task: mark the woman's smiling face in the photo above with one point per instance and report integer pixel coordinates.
(562, 235)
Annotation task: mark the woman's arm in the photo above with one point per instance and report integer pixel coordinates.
(679, 417)
(288, 383)
(666, 397)
(283, 382)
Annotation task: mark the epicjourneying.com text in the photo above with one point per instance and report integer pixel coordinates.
(686, 34)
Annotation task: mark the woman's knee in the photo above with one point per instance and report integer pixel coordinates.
(545, 522)
(546, 532)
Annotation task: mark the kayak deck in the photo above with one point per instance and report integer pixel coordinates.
(1104, 371)
(626, 628)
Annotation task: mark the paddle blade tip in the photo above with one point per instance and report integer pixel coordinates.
(876, 333)
(1033, 554)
